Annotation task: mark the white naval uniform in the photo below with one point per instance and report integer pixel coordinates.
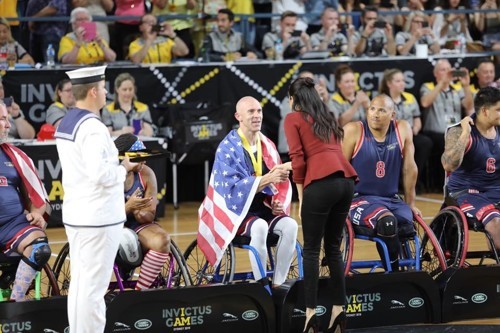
(93, 214)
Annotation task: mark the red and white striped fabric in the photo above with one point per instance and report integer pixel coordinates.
(230, 192)
(29, 176)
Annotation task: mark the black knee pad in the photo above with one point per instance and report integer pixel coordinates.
(387, 226)
(40, 253)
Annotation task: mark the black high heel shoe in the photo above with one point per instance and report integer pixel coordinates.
(312, 325)
(338, 324)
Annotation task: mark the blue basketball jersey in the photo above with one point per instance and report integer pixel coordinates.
(480, 166)
(11, 203)
(378, 164)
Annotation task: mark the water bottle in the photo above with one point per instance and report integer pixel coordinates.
(463, 44)
(278, 50)
(51, 53)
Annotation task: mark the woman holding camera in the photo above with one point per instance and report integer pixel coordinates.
(158, 43)
(84, 45)
(416, 31)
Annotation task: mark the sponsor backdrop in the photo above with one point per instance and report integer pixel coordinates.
(170, 87)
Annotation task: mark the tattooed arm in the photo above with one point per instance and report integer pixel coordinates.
(456, 142)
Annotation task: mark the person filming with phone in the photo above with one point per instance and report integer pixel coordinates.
(20, 128)
(158, 43)
(84, 45)
(375, 37)
(416, 31)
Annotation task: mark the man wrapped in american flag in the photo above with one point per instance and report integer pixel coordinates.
(249, 194)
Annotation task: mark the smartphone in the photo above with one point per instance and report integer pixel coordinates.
(7, 101)
(157, 28)
(137, 124)
(344, 26)
(458, 73)
(380, 24)
(425, 24)
(296, 33)
(90, 31)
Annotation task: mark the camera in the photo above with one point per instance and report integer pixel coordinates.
(380, 24)
(344, 26)
(7, 101)
(157, 28)
(296, 33)
(458, 73)
(425, 24)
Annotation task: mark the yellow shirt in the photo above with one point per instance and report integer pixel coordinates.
(178, 7)
(8, 8)
(159, 52)
(88, 53)
(241, 7)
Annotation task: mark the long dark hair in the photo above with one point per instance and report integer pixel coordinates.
(307, 100)
(388, 75)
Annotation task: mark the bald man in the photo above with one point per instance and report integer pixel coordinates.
(250, 186)
(380, 148)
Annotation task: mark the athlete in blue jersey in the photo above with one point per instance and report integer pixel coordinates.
(22, 205)
(472, 155)
(140, 206)
(381, 150)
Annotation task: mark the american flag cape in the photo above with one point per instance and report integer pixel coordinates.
(29, 176)
(230, 192)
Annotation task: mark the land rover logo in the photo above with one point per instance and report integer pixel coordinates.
(416, 302)
(320, 310)
(250, 315)
(479, 298)
(143, 324)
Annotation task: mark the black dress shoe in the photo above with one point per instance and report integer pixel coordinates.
(312, 325)
(338, 324)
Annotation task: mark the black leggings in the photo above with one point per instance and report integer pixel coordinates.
(325, 205)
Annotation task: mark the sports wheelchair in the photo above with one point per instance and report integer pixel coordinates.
(173, 274)
(419, 250)
(451, 226)
(44, 284)
(203, 273)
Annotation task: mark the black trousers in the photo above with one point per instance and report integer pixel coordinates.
(325, 205)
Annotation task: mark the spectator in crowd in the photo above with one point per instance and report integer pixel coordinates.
(97, 8)
(349, 104)
(373, 39)
(10, 9)
(285, 109)
(243, 7)
(140, 205)
(407, 108)
(24, 202)
(225, 44)
(282, 6)
(443, 104)
(182, 26)
(485, 75)
(63, 100)
(20, 128)
(353, 10)
(293, 42)
(80, 46)
(489, 24)
(126, 114)
(329, 36)
(7, 44)
(416, 31)
(156, 46)
(207, 12)
(395, 20)
(45, 33)
(314, 11)
(126, 30)
(448, 27)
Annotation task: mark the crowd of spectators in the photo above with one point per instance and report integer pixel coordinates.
(162, 31)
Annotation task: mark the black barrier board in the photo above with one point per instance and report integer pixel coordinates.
(48, 315)
(470, 293)
(224, 308)
(371, 300)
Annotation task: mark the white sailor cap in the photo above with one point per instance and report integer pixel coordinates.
(87, 75)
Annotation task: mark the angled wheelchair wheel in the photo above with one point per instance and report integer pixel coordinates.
(452, 235)
(61, 269)
(431, 255)
(174, 273)
(200, 270)
(346, 249)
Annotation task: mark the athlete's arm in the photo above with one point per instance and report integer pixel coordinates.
(410, 171)
(147, 214)
(352, 131)
(455, 143)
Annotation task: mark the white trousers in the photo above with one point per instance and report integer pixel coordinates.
(92, 254)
